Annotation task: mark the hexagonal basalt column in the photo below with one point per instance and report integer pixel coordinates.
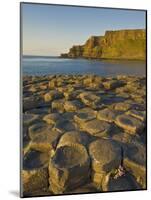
(69, 168)
(106, 156)
(35, 172)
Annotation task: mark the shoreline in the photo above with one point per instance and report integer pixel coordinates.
(107, 59)
(86, 58)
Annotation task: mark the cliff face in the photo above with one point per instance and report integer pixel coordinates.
(122, 44)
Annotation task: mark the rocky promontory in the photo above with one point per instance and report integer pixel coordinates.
(83, 134)
(119, 44)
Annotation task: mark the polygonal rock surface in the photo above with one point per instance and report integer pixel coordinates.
(88, 110)
(38, 129)
(52, 84)
(135, 161)
(122, 137)
(112, 84)
(122, 106)
(66, 115)
(84, 115)
(123, 183)
(97, 127)
(69, 95)
(25, 138)
(129, 124)
(31, 103)
(58, 105)
(87, 188)
(69, 168)
(45, 141)
(88, 81)
(105, 155)
(64, 126)
(35, 172)
(38, 193)
(51, 118)
(89, 99)
(39, 111)
(106, 115)
(97, 178)
(73, 137)
(29, 119)
(138, 114)
(53, 94)
(137, 170)
(71, 106)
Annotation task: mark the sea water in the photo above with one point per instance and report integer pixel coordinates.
(38, 65)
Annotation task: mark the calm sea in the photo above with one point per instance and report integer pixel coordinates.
(32, 65)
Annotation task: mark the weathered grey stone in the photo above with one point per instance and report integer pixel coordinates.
(29, 119)
(39, 111)
(52, 95)
(68, 115)
(106, 115)
(63, 89)
(88, 81)
(124, 95)
(123, 183)
(25, 138)
(39, 128)
(97, 178)
(129, 124)
(138, 114)
(87, 188)
(105, 155)
(73, 137)
(84, 115)
(46, 141)
(69, 168)
(111, 99)
(71, 106)
(112, 84)
(32, 102)
(122, 137)
(38, 193)
(98, 79)
(138, 106)
(88, 110)
(64, 126)
(137, 170)
(58, 105)
(35, 172)
(52, 118)
(69, 95)
(89, 99)
(33, 88)
(121, 106)
(135, 162)
(97, 127)
(52, 84)
(43, 85)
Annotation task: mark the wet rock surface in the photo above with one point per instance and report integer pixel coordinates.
(83, 133)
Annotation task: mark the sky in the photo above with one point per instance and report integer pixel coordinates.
(50, 30)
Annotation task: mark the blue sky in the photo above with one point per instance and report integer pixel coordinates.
(51, 30)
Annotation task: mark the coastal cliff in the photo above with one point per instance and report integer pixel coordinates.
(120, 44)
